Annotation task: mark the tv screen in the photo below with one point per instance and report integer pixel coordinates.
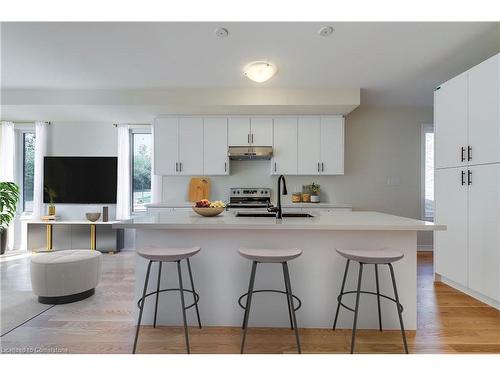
(80, 179)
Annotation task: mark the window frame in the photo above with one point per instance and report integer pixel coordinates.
(21, 130)
(136, 129)
(425, 128)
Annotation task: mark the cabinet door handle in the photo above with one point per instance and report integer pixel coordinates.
(463, 178)
(251, 138)
(275, 166)
(180, 167)
(248, 138)
(322, 167)
(462, 154)
(469, 177)
(225, 166)
(176, 167)
(469, 153)
(318, 166)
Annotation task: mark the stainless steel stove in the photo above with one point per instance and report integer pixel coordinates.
(249, 198)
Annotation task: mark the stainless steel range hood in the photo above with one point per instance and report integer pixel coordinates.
(250, 152)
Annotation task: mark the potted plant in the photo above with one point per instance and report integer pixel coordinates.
(52, 194)
(315, 190)
(9, 196)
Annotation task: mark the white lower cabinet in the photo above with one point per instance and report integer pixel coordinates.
(468, 252)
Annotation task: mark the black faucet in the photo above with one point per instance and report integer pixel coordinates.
(278, 210)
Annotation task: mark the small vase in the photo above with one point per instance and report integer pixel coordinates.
(314, 198)
(52, 210)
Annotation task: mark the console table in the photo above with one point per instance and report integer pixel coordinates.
(74, 234)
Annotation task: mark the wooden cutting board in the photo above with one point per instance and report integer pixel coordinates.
(199, 188)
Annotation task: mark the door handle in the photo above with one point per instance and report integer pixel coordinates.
(469, 153)
(462, 154)
(469, 177)
(318, 166)
(322, 167)
(463, 178)
(275, 166)
(225, 166)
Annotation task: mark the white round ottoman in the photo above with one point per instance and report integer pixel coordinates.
(65, 276)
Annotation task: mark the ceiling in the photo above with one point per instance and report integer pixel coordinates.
(394, 64)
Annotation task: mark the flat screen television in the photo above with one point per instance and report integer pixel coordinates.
(80, 179)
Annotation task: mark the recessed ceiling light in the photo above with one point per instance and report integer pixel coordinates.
(221, 32)
(260, 71)
(326, 31)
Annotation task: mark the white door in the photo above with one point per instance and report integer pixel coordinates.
(484, 112)
(285, 146)
(215, 160)
(191, 146)
(451, 210)
(261, 130)
(450, 122)
(484, 229)
(308, 140)
(166, 146)
(238, 130)
(332, 145)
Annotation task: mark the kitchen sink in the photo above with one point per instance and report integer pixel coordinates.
(272, 214)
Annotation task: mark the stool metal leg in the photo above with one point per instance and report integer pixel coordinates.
(396, 297)
(290, 302)
(355, 322)
(157, 292)
(142, 306)
(183, 305)
(378, 298)
(248, 305)
(194, 291)
(341, 291)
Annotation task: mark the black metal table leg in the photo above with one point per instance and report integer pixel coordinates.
(142, 306)
(398, 307)
(355, 322)
(339, 299)
(290, 302)
(157, 292)
(194, 291)
(179, 272)
(378, 298)
(248, 304)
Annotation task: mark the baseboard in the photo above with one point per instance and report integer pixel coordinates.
(480, 297)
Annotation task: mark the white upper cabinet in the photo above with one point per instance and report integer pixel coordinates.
(450, 122)
(190, 146)
(285, 146)
(484, 112)
(166, 146)
(332, 145)
(321, 145)
(261, 131)
(215, 160)
(238, 131)
(309, 153)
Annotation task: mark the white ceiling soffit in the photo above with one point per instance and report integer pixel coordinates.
(394, 64)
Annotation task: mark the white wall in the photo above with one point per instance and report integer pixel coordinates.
(380, 144)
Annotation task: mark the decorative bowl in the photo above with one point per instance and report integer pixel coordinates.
(93, 216)
(208, 211)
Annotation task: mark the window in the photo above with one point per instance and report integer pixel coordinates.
(28, 167)
(141, 146)
(428, 172)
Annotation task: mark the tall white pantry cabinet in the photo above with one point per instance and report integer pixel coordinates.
(467, 181)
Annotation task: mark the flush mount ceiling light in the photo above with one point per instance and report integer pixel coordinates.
(326, 31)
(260, 71)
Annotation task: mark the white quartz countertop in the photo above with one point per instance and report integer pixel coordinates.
(357, 220)
(284, 205)
(72, 222)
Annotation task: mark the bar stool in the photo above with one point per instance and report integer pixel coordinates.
(168, 255)
(270, 256)
(375, 257)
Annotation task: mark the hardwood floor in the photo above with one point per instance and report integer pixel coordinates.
(448, 322)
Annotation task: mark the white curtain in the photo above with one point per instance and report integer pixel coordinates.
(7, 168)
(156, 180)
(40, 153)
(124, 182)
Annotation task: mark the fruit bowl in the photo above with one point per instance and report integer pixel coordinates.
(93, 216)
(208, 211)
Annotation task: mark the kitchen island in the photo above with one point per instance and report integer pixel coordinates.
(221, 275)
